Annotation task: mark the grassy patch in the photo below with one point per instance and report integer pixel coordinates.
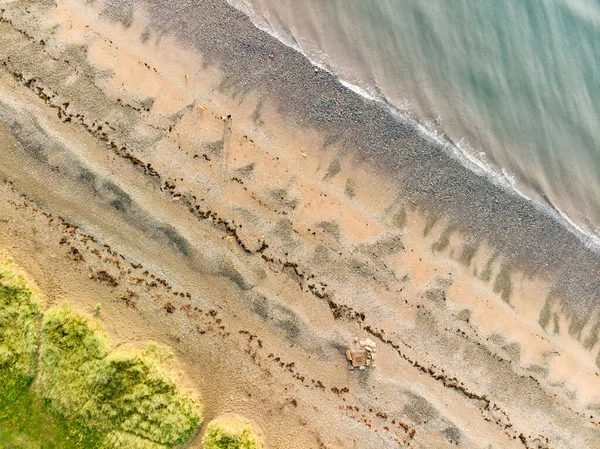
(71, 354)
(124, 391)
(232, 432)
(20, 309)
(85, 394)
(26, 422)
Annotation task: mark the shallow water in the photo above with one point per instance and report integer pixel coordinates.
(515, 83)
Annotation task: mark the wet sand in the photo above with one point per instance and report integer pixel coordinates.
(216, 193)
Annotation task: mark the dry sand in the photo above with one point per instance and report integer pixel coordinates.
(137, 175)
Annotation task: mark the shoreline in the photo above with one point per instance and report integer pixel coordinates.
(425, 174)
(586, 236)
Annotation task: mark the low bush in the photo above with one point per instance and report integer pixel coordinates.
(20, 309)
(85, 394)
(72, 354)
(232, 431)
(25, 420)
(123, 440)
(122, 391)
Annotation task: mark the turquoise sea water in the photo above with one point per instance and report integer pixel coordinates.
(515, 83)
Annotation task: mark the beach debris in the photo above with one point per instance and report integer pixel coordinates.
(362, 353)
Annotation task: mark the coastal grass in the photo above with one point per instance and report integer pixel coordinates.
(20, 310)
(66, 387)
(25, 420)
(124, 393)
(232, 431)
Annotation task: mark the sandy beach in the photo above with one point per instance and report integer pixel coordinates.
(217, 193)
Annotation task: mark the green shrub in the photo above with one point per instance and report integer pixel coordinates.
(20, 308)
(232, 432)
(72, 354)
(85, 394)
(123, 440)
(121, 391)
(136, 392)
(25, 420)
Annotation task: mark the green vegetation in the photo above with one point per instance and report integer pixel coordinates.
(26, 422)
(232, 432)
(20, 309)
(85, 395)
(127, 440)
(123, 391)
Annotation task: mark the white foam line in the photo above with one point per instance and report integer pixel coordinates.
(504, 180)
